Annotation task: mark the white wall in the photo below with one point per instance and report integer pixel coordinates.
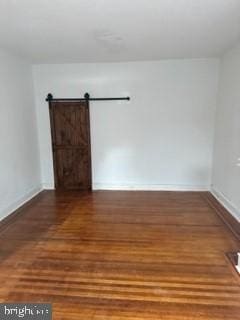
(161, 139)
(19, 159)
(226, 173)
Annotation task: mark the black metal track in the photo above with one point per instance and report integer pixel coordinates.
(86, 98)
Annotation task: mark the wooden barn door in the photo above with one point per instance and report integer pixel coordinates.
(70, 128)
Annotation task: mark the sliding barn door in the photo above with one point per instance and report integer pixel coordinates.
(70, 128)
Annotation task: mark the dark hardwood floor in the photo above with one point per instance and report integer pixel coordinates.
(121, 256)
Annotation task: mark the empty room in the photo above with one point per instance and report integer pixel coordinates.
(120, 159)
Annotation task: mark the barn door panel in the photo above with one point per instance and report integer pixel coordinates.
(70, 127)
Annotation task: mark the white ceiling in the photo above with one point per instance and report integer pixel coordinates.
(49, 31)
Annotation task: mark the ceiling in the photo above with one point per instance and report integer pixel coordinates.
(57, 31)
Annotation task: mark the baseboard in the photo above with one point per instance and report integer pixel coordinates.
(138, 187)
(48, 186)
(149, 187)
(228, 205)
(223, 210)
(20, 202)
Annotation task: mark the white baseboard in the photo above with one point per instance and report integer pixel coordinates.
(226, 203)
(48, 186)
(20, 201)
(149, 187)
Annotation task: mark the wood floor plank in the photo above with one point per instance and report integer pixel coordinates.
(120, 256)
